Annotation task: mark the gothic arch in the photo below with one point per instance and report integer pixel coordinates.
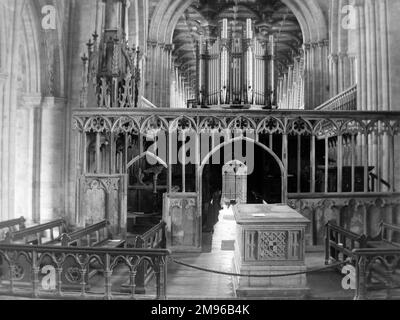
(29, 45)
(259, 144)
(57, 50)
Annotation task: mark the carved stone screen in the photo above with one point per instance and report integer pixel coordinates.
(272, 245)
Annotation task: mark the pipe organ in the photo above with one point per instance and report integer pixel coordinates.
(290, 90)
(235, 68)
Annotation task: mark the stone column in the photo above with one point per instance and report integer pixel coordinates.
(28, 144)
(307, 84)
(333, 65)
(151, 70)
(51, 159)
(320, 70)
(325, 70)
(343, 72)
(4, 214)
(161, 76)
(314, 80)
(168, 67)
(373, 50)
(362, 59)
(289, 87)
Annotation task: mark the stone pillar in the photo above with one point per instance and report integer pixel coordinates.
(51, 159)
(333, 65)
(167, 75)
(320, 87)
(290, 87)
(112, 17)
(4, 214)
(325, 70)
(314, 80)
(342, 72)
(161, 77)
(28, 145)
(373, 50)
(307, 83)
(363, 72)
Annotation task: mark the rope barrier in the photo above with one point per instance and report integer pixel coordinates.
(259, 275)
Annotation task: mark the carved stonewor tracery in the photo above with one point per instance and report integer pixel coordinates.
(273, 245)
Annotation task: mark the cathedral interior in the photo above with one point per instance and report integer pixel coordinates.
(139, 138)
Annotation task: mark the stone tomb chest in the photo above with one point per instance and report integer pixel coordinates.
(270, 241)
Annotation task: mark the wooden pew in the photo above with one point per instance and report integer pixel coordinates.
(97, 235)
(11, 226)
(43, 234)
(344, 246)
(37, 235)
(339, 243)
(7, 227)
(151, 237)
(387, 237)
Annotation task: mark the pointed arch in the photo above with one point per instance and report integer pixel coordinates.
(259, 144)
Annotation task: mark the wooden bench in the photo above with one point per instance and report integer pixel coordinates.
(145, 237)
(43, 234)
(339, 243)
(97, 235)
(11, 226)
(8, 227)
(386, 238)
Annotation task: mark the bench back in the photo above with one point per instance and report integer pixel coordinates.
(88, 237)
(151, 239)
(390, 233)
(11, 226)
(339, 242)
(40, 234)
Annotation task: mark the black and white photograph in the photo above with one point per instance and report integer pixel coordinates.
(177, 153)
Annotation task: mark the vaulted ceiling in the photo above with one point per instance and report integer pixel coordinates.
(202, 18)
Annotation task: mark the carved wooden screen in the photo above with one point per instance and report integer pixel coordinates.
(234, 182)
(103, 197)
(182, 217)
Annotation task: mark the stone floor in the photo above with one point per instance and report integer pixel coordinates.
(186, 283)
